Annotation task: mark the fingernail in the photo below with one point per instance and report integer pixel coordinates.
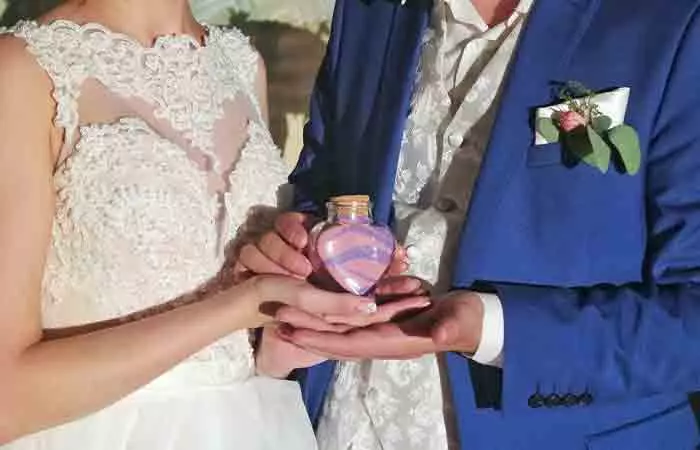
(414, 284)
(305, 269)
(284, 331)
(425, 303)
(368, 308)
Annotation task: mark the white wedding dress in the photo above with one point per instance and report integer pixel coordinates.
(165, 155)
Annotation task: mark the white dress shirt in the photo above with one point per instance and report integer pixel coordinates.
(387, 405)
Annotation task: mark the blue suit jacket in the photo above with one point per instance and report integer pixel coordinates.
(598, 273)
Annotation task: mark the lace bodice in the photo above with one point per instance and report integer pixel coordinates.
(165, 155)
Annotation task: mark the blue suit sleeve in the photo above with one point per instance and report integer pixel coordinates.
(311, 176)
(616, 343)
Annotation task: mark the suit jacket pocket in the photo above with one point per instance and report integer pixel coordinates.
(545, 155)
(674, 428)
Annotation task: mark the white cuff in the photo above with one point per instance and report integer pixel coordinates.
(490, 351)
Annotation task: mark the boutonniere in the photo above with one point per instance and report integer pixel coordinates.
(587, 133)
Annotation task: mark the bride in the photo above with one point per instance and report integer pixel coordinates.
(134, 147)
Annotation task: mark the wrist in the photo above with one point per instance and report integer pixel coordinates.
(489, 349)
(244, 303)
(476, 325)
(267, 369)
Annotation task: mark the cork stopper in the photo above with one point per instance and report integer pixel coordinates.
(350, 207)
(345, 200)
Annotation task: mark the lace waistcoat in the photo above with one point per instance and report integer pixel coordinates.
(392, 405)
(165, 154)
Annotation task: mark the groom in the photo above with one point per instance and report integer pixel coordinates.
(576, 287)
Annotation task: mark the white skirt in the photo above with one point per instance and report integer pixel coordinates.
(256, 414)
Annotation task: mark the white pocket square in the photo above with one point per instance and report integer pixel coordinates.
(612, 104)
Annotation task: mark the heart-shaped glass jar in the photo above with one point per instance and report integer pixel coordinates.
(349, 251)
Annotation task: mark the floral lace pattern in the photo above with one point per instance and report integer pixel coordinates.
(384, 405)
(136, 227)
(168, 75)
(396, 406)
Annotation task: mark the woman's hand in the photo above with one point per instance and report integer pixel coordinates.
(268, 298)
(279, 298)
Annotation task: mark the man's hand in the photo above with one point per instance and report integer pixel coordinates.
(453, 323)
(277, 357)
(281, 251)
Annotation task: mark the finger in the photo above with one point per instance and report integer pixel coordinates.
(284, 332)
(301, 319)
(385, 341)
(324, 303)
(292, 227)
(399, 262)
(241, 273)
(284, 255)
(385, 312)
(400, 285)
(398, 350)
(252, 259)
(393, 309)
(400, 253)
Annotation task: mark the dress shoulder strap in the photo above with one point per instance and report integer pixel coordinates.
(58, 50)
(243, 59)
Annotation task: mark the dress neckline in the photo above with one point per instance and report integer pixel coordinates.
(159, 42)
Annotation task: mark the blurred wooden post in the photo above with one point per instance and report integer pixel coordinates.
(292, 56)
(24, 9)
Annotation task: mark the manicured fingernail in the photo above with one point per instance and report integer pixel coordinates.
(425, 303)
(368, 308)
(414, 284)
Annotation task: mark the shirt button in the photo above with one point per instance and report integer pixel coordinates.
(570, 400)
(586, 399)
(455, 140)
(445, 205)
(553, 401)
(535, 401)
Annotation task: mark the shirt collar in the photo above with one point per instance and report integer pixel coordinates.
(464, 11)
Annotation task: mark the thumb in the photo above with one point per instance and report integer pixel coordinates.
(458, 326)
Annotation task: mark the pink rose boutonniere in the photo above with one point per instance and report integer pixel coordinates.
(587, 134)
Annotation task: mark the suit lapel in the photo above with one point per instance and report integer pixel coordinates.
(550, 37)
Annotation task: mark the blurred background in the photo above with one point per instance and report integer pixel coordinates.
(291, 37)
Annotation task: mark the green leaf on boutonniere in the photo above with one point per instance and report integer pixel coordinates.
(626, 141)
(548, 129)
(601, 123)
(601, 150)
(589, 147)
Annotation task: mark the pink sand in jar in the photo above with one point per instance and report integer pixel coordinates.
(348, 251)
